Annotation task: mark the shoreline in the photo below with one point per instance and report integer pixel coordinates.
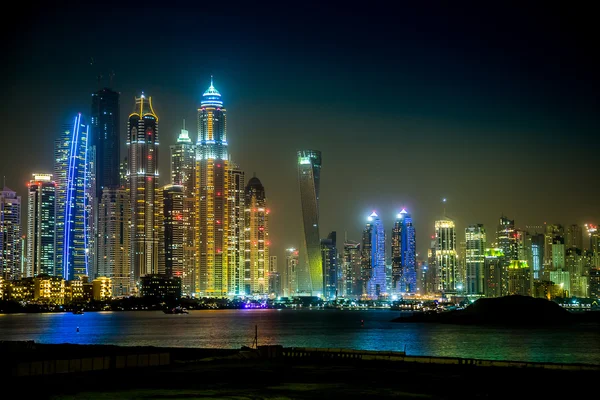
(267, 372)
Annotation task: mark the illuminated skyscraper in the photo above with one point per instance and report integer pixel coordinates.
(352, 269)
(257, 239)
(291, 272)
(552, 231)
(173, 204)
(373, 257)
(330, 265)
(41, 210)
(212, 191)
(446, 258)
(519, 278)
(106, 138)
(475, 259)
(309, 177)
(10, 234)
(274, 277)
(183, 173)
(74, 200)
(183, 162)
(593, 236)
(142, 143)
(113, 242)
(507, 239)
(537, 255)
(237, 240)
(495, 274)
(408, 281)
(397, 254)
(574, 237)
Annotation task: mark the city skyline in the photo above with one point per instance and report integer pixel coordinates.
(507, 112)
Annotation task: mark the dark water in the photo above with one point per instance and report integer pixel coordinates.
(316, 328)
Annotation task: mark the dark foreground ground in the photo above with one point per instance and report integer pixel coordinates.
(272, 379)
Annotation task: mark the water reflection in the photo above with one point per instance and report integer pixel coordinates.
(310, 328)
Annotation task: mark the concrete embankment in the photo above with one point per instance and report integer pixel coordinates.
(31, 359)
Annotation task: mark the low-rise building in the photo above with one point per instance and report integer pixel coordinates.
(21, 290)
(102, 288)
(49, 289)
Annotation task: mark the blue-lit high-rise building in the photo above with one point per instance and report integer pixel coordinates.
(408, 244)
(309, 177)
(373, 257)
(330, 265)
(537, 255)
(72, 175)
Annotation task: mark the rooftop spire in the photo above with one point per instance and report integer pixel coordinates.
(211, 81)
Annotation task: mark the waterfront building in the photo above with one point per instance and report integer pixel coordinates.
(160, 287)
(106, 139)
(544, 289)
(212, 190)
(73, 174)
(256, 239)
(506, 239)
(330, 265)
(373, 258)
(102, 288)
(237, 232)
(41, 209)
(404, 261)
(173, 206)
(352, 269)
(445, 256)
(475, 241)
(309, 178)
(22, 290)
(143, 145)
(49, 289)
(291, 272)
(74, 290)
(461, 267)
(519, 278)
(495, 274)
(574, 237)
(113, 241)
(537, 255)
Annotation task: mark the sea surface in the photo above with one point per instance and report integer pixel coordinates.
(306, 328)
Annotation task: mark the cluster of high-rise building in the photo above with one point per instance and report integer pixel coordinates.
(104, 216)
(101, 215)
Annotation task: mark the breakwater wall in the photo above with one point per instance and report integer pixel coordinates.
(21, 359)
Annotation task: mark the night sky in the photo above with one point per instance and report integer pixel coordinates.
(494, 109)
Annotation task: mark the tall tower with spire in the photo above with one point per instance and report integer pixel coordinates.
(142, 143)
(212, 205)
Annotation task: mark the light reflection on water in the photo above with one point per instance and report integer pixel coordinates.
(306, 328)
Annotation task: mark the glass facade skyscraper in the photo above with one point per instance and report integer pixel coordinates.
(408, 245)
(142, 143)
(309, 178)
(330, 265)
(475, 240)
(74, 201)
(373, 257)
(352, 269)
(10, 234)
(106, 138)
(41, 209)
